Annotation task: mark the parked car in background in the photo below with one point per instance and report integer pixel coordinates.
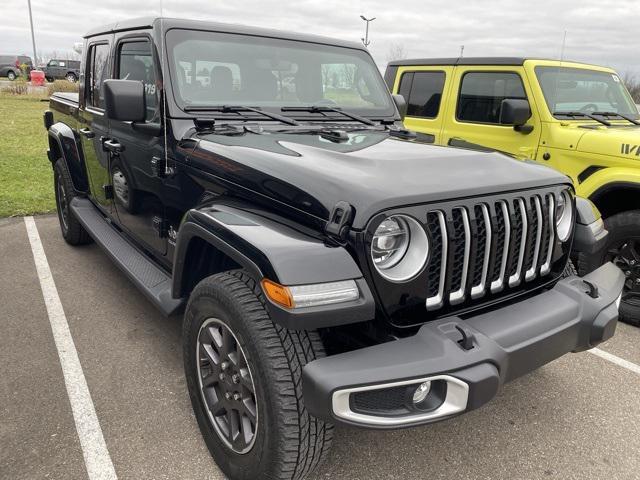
(59, 69)
(577, 118)
(10, 65)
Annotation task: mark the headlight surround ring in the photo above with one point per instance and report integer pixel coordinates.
(564, 215)
(408, 243)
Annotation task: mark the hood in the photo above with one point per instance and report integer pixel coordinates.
(616, 140)
(371, 171)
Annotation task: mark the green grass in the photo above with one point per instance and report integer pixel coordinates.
(26, 177)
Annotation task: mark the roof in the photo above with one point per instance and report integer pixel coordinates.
(167, 23)
(510, 61)
(461, 61)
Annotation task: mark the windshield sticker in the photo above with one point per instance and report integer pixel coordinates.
(615, 78)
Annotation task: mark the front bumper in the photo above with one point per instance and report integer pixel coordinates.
(501, 345)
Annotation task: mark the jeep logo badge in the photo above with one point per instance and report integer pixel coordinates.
(628, 149)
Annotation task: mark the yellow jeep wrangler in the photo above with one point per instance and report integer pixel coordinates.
(577, 118)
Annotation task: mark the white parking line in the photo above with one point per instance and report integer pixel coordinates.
(617, 360)
(94, 449)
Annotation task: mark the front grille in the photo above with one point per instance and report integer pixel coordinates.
(488, 247)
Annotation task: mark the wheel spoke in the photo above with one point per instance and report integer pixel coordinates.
(209, 355)
(245, 380)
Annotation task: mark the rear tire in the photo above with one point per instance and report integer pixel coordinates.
(623, 249)
(288, 443)
(71, 77)
(72, 230)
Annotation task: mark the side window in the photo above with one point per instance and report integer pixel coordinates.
(135, 62)
(481, 95)
(97, 71)
(53, 63)
(423, 93)
(63, 64)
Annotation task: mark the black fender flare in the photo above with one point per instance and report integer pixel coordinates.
(63, 144)
(269, 249)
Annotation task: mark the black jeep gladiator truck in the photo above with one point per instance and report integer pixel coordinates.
(332, 267)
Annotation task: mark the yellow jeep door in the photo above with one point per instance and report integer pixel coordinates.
(423, 88)
(474, 117)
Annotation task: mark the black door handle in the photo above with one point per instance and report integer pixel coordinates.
(110, 145)
(87, 133)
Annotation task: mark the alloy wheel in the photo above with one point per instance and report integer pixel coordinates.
(626, 256)
(226, 386)
(63, 204)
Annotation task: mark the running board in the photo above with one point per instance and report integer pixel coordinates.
(146, 275)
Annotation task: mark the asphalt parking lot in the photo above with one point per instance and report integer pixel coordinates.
(576, 418)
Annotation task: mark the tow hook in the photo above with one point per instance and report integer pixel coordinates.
(593, 289)
(466, 342)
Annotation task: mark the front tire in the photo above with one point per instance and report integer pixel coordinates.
(72, 230)
(282, 440)
(11, 75)
(623, 249)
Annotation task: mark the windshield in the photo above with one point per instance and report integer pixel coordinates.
(586, 91)
(214, 69)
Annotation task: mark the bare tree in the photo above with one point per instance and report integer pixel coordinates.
(396, 51)
(633, 85)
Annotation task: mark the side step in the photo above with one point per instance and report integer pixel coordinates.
(153, 281)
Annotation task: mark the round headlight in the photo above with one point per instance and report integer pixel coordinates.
(564, 215)
(399, 248)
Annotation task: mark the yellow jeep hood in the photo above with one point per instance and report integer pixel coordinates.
(616, 140)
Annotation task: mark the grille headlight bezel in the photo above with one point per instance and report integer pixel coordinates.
(410, 245)
(564, 215)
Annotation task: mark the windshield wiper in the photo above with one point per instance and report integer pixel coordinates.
(582, 114)
(240, 109)
(325, 108)
(616, 114)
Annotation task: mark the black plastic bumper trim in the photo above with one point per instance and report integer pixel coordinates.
(507, 343)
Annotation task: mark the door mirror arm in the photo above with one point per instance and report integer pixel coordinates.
(149, 128)
(525, 129)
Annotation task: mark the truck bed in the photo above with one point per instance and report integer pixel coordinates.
(65, 107)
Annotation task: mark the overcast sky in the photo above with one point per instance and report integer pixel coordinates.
(598, 31)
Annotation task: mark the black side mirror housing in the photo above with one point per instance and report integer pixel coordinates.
(124, 100)
(514, 111)
(401, 105)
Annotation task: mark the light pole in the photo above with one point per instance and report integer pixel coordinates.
(33, 37)
(365, 40)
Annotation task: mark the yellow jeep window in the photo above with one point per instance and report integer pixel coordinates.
(423, 92)
(482, 93)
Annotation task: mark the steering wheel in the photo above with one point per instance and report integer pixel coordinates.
(589, 107)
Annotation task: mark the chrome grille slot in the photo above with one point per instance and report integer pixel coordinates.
(520, 242)
(488, 247)
(460, 255)
(502, 253)
(536, 239)
(483, 252)
(550, 237)
(436, 273)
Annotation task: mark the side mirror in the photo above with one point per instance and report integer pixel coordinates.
(514, 111)
(401, 104)
(124, 100)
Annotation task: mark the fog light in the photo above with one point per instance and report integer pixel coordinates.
(421, 392)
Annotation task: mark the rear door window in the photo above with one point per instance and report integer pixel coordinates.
(482, 93)
(97, 72)
(423, 93)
